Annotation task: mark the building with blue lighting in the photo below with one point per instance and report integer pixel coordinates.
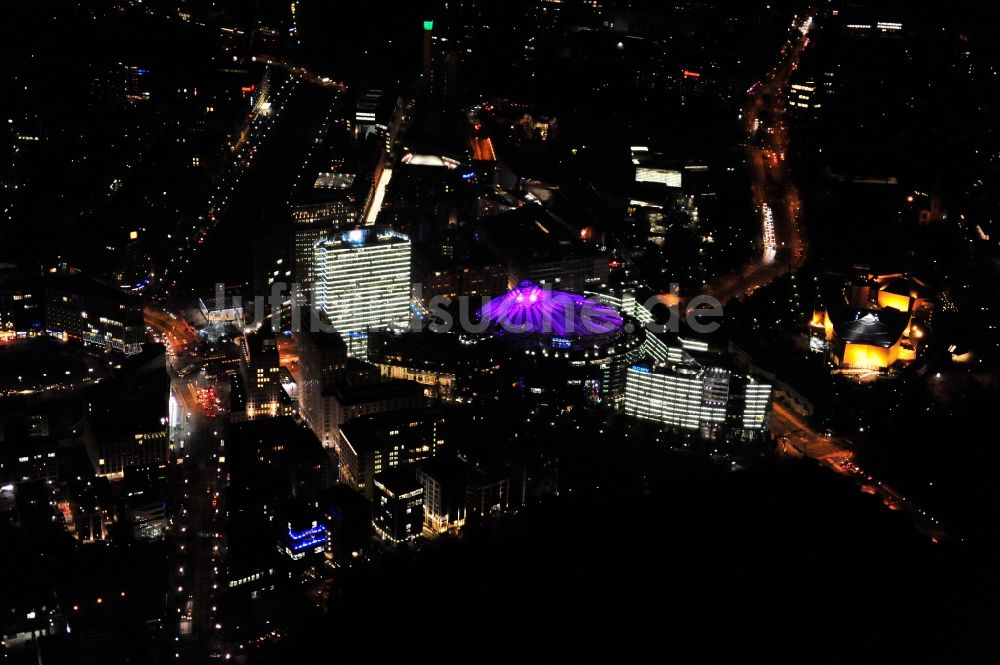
(304, 539)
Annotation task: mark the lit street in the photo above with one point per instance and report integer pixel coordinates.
(199, 449)
(797, 439)
(774, 193)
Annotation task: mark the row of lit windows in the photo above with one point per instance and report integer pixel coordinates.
(249, 578)
(690, 402)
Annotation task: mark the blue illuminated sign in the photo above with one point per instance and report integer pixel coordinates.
(308, 532)
(302, 540)
(308, 543)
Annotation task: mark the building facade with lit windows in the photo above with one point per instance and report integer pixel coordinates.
(452, 282)
(363, 282)
(31, 458)
(805, 95)
(115, 454)
(448, 366)
(322, 361)
(398, 506)
(701, 396)
(129, 418)
(311, 224)
(444, 480)
(374, 444)
(69, 306)
(348, 400)
(262, 394)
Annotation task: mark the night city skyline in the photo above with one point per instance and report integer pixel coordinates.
(331, 329)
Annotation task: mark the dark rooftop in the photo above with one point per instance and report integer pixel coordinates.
(906, 286)
(71, 281)
(399, 480)
(135, 399)
(882, 327)
(349, 394)
(532, 235)
(372, 432)
(299, 440)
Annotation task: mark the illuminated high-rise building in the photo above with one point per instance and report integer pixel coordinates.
(700, 396)
(750, 405)
(136, 85)
(444, 480)
(398, 510)
(262, 395)
(312, 223)
(322, 361)
(363, 282)
(379, 442)
(805, 95)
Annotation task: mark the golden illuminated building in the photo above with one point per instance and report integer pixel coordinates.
(883, 322)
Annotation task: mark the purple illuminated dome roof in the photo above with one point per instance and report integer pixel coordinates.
(529, 308)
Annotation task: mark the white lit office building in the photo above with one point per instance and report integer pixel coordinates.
(363, 282)
(699, 396)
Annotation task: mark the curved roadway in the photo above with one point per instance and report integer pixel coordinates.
(775, 195)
